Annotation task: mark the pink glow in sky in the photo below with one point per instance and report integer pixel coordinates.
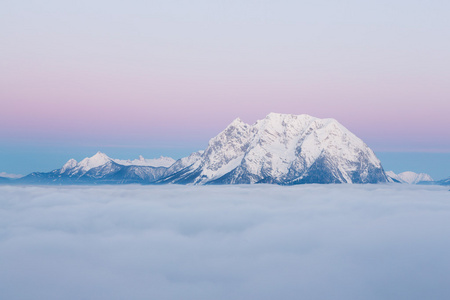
(136, 72)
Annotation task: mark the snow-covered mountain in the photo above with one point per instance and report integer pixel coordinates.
(184, 162)
(156, 162)
(283, 149)
(102, 169)
(408, 177)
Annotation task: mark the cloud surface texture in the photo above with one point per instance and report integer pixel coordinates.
(225, 242)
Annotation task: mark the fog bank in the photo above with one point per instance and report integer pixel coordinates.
(225, 242)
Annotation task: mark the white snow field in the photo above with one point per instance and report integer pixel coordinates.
(385, 241)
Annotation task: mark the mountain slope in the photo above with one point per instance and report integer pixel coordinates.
(445, 181)
(284, 149)
(409, 177)
(156, 162)
(5, 180)
(101, 169)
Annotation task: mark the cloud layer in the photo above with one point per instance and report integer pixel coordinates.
(226, 242)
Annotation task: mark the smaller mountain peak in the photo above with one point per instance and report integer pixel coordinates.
(237, 123)
(141, 158)
(98, 159)
(410, 177)
(100, 155)
(237, 120)
(70, 164)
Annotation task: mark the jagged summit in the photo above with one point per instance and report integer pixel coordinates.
(95, 161)
(237, 121)
(285, 149)
(70, 164)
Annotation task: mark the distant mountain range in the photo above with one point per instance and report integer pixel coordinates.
(281, 149)
(101, 169)
(409, 177)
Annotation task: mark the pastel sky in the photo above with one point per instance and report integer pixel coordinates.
(158, 74)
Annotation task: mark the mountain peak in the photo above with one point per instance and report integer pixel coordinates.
(70, 164)
(101, 155)
(282, 121)
(409, 177)
(285, 149)
(97, 160)
(237, 123)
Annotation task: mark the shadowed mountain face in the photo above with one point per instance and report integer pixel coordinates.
(444, 181)
(5, 180)
(280, 149)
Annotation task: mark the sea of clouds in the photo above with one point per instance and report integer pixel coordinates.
(225, 242)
